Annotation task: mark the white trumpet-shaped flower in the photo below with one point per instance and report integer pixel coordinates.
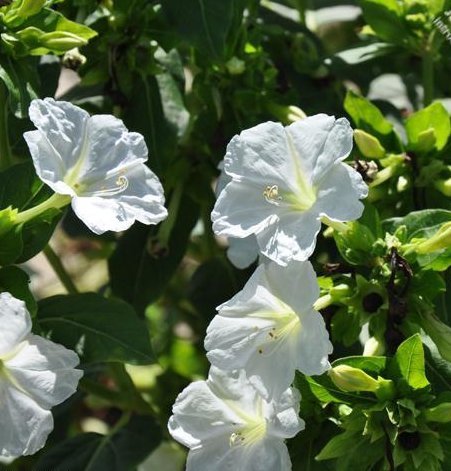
(35, 375)
(284, 180)
(228, 425)
(271, 329)
(95, 162)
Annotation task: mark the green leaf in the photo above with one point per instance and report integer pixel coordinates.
(98, 329)
(433, 120)
(438, 331)
(204, 24)
(19, 10)
(339, 445)
(438, 369)
(141, 268)
(122, 449)
(417, 221)
(409, 362)
(368, 117)
(385, 17)
(22, 189)
(16, 281)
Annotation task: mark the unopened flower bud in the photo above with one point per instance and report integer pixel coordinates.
(368, 145)
(235, 66)
(425, 141)
(439, 241)
(444, 186)
(351, 379)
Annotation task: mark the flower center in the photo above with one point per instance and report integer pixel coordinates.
(285, 326)
(120, 185)
(252, 432)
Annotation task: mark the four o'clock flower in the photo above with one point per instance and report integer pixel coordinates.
(96, 163)
(35, 374)
(228, 425)
(285, 180)
(270, 328)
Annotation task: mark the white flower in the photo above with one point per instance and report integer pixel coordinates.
(35, 374)
(284, 180)
(227, 425)
(96, 162)
(270, 328)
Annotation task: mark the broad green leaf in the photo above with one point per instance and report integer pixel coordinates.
(368, 117)
(98, 329)
(439, 332)
(409, 362)
(433, 120)
(122, 449)
(204, 24)
(16, 281)
(141, 268)
(417, 221)
(339, 445)
(385, 18)
(438, 369)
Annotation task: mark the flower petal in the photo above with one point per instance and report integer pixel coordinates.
(313, 345)
(15, 321)
(286, 422)
(292, 238)
(320, 141)
(60, 139)
(241, 210)
(45, 370)
(339, 194)
(242, 252)
(25, 425)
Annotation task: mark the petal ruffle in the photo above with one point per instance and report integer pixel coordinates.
(15, 321)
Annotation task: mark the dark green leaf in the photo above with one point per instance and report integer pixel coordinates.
(15, 281)
(98, 329)
(121, 450)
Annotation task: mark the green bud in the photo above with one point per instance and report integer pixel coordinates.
(373, 347)
(285, 114)
(369, 145)
(61, 41)
(235, 66)
(444, 186)
(351, 379)
(440, 413)
(7, 219)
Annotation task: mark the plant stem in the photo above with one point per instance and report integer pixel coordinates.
(55, 201)
(5, 149)
(336, 225)
(59, 269)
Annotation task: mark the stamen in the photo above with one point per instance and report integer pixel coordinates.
(271, 194)
(121, 185)
(252, 432)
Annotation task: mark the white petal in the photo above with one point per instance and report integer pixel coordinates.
(45, 370)
(215, 454)
(320, 141)
(198, 415)
(111, 148)
(242, 252)
(103, 214)
(59, 141)
(241, 210)
(15, 323)
(286, 422)
(339, 194)
(295, 284)
(292, 238)
(24, 424)
(259, 156)
(313, 345)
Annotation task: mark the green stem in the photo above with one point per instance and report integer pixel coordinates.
(55, 201)
(6, 159)
(59, 269)
(428, 74)
(164, 232)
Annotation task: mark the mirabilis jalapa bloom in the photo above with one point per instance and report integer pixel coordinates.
(285, 180)
(95, 162)
(35, 375)
(228, 425)
(271, 329)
